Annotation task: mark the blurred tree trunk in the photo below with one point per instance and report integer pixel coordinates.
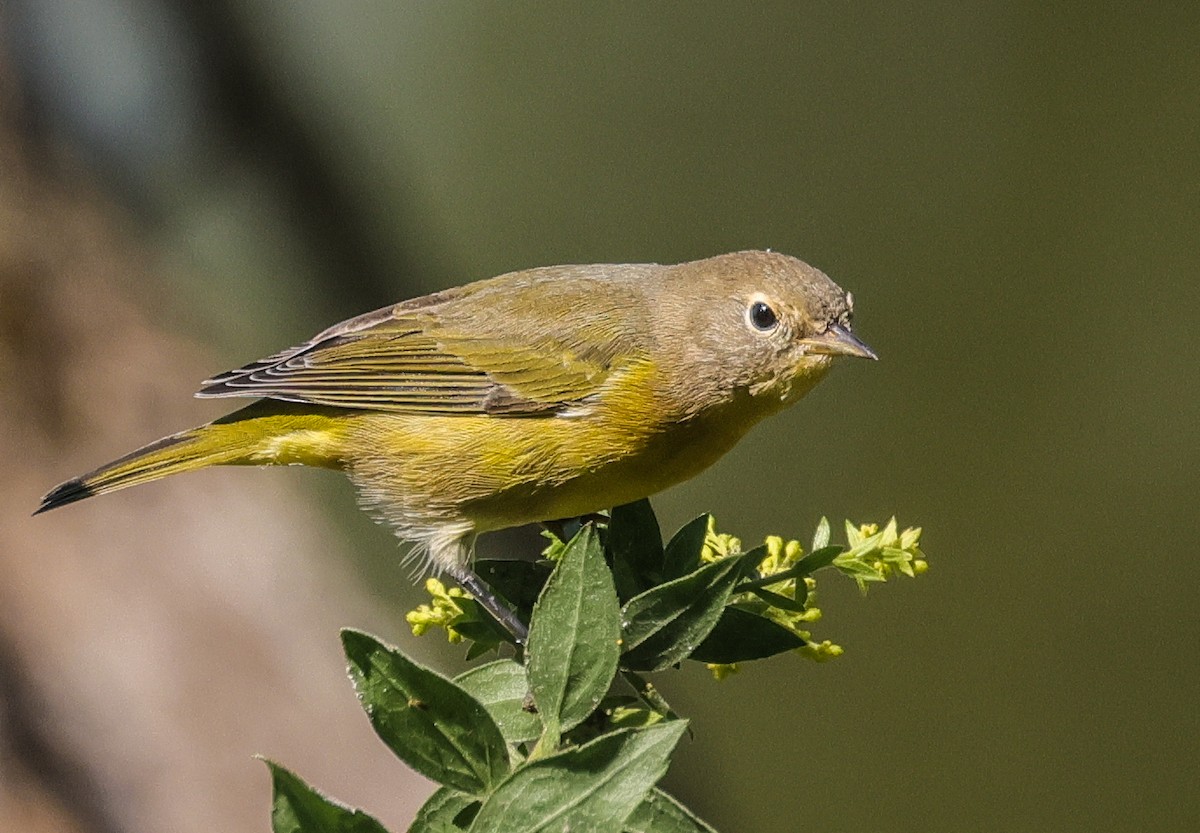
(150, 642)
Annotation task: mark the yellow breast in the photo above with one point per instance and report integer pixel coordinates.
(623, 444)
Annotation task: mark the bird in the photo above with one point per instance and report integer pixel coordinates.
(548, 393)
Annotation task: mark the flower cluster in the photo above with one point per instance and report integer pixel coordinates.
(718, 545)
(876, 554)
(443, 611)
(872, 555)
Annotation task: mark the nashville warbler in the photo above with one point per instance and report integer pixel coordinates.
(533, 396)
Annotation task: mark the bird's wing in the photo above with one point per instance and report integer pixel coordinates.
(410, 359)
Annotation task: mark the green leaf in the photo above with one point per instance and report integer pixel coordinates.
(682, 555)
(635, 543)
(821, 536)
(593, 787)
(503, 689)
(816, 559)
(779, 600)
(574, 636)
(431, 724)
(298, 808)
(520, 582)
(660, 813)
(664, 625)
(627, 716)
(446, 811)
(741, 636)
(858, 570)
(477, 649)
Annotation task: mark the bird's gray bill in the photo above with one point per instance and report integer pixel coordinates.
(838, 341)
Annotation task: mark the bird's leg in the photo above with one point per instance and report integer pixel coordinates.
(475, 586)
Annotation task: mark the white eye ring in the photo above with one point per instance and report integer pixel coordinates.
(761, 316)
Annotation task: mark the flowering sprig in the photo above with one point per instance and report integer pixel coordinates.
(782, 587)
(569, 728)
(785, 590)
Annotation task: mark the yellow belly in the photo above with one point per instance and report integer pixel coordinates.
(496, 472)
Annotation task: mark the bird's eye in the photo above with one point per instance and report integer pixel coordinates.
(761, 316)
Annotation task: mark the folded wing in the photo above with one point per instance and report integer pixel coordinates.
(414, 359)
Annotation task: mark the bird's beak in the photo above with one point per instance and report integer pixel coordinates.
(838, 341)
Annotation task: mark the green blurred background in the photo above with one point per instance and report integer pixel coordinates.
(1011, 191)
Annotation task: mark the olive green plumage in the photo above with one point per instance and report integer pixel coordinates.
(534, 395)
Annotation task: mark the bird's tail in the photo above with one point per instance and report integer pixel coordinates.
(267, 432)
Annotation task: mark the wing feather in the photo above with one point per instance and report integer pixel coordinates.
(435, 355)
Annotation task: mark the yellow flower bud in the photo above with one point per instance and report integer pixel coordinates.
(720, 670)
